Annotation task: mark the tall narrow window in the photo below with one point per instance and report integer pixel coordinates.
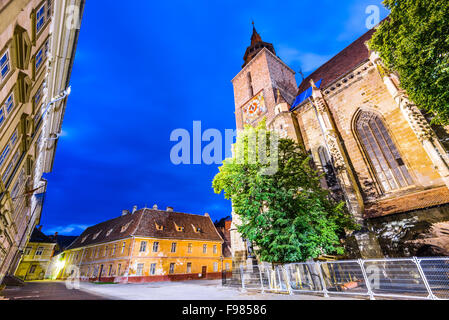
(140, 267)
(382, 152)
(250, 85)
(153, 269)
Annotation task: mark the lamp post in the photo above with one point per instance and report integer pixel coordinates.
(56, 99)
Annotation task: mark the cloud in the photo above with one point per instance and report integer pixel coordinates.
(68, 230)
(309, 61)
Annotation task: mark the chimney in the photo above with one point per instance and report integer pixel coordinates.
(207, 215)
(170, 209)
(155, 207)
(40, 228)
(56, 234)
(125, 213)
(135, 209)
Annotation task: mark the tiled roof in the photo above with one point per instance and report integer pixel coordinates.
(343, 62)
(145, 222)
(411, 202)
(38, 237)
(63, 241)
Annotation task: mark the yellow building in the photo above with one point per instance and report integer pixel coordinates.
(36, 58)
(146, 246)
(36, 258)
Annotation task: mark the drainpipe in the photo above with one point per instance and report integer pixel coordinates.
(130, 258)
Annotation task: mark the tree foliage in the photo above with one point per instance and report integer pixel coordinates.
(287, 216)
(414, 41)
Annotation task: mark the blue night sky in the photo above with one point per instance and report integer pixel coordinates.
(144, 69)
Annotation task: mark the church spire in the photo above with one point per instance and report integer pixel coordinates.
(256, 46)
(255, 38)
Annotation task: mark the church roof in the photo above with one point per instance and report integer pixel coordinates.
(148, 223)
(346, 60)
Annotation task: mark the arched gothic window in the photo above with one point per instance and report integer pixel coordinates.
(382, 152)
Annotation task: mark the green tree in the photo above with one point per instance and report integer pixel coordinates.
(285, 214)
(414, 41)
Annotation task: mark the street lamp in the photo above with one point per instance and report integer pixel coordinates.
(58, 98)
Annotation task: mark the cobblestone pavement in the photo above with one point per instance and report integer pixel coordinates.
(187, 290)
(46, 290)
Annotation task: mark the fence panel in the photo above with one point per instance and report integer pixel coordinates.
(436, 271)
(409, 278)
(399, 278)
(275, 279)
(344, 277)
(304, 277)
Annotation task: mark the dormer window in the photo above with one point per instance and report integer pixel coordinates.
(96, 235)
(84, 239)
(196, 229)
(109, 232)
(179, 228)
(126, 226)
(159, 227)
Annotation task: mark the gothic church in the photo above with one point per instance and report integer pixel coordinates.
(377, 149)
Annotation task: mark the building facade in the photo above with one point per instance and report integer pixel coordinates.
(37, 47)
(148, 245)
(377, 149)
(36, 259)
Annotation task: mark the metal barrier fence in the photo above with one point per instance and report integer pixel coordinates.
(407, 278)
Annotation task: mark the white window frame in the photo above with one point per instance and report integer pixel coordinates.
(156, 245)
(39, 251)
(139, 269)
(204, 248)
(43, 18)
(174, 247)
(143, 246)
(153, 269)
(6, 64)
(172, 268)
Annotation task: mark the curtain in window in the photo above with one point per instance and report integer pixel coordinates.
(382, 152)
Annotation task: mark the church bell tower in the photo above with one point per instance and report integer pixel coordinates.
(265, 88)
